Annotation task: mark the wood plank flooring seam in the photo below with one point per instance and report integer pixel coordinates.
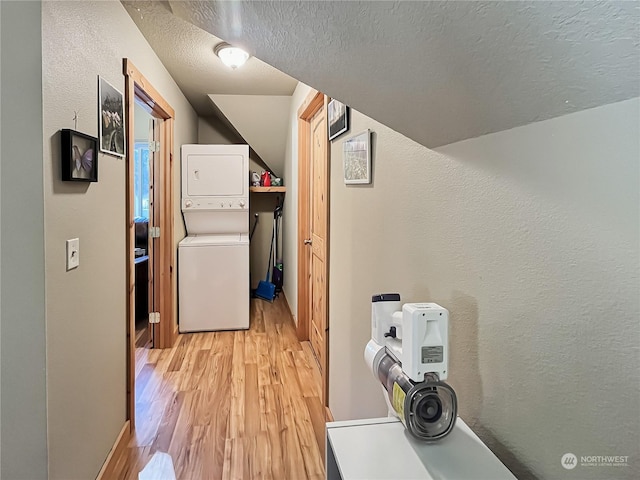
(230, 405)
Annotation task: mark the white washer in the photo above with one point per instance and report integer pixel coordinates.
(214, 282)
(213, 260)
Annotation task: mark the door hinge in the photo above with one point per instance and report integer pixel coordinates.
(154, 146)
(154, 317)
(154, 232)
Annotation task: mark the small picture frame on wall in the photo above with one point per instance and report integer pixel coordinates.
(356, 156)
(111, 115)
(338, 114)
(79, 156)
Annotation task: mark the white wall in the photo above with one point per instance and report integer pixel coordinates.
(86, 339)
(530, 238)
(290, 211)
(23, 440)
(262, 120)
(211, 131)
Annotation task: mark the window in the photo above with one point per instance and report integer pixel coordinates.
(141, 181)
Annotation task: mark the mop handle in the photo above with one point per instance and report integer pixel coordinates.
(253, 230)
(270, 252)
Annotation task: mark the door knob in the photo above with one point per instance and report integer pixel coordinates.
(307, 241)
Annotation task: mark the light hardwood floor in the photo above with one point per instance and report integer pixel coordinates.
(230, 405)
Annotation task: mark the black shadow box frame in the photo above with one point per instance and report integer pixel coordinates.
(79, 156)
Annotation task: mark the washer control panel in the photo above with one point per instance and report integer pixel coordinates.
(212, 203)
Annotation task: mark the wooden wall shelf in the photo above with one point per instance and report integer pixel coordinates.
(267, 189)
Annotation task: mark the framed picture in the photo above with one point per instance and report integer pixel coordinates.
(356, 155)
(79, 156)
(111, 114)
(338, 119)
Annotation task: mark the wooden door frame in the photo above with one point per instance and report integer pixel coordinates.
(313, 103)
(165, 333)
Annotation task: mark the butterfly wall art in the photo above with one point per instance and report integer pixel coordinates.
(79, 156)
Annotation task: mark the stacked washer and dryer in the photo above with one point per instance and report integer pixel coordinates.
(213, 260)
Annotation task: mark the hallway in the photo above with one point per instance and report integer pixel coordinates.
(230, 405)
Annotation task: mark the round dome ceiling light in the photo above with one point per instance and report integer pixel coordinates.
(233, 57)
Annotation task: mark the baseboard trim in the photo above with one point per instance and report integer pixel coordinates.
(300, 333)
(106, 472)
(286, 302)
(328, 414)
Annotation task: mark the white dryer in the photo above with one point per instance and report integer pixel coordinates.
(213, 260)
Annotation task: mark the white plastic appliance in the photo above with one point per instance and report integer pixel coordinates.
(213, 260)
(380, 449)
(408, 352)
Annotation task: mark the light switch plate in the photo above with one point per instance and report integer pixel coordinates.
(73, 253)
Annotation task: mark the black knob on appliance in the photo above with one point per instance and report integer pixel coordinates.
(391, 333)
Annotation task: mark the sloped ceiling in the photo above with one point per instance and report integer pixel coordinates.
(187, 53)
(440, 72)
(263, 121)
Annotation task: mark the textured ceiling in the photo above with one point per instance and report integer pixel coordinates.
(187, 53)
(437, 72)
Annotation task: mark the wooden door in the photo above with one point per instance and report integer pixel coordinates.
(313, 233)
(318, 325)
(313, 245)
(162, 250)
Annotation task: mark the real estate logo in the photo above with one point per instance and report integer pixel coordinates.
(569, 461)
